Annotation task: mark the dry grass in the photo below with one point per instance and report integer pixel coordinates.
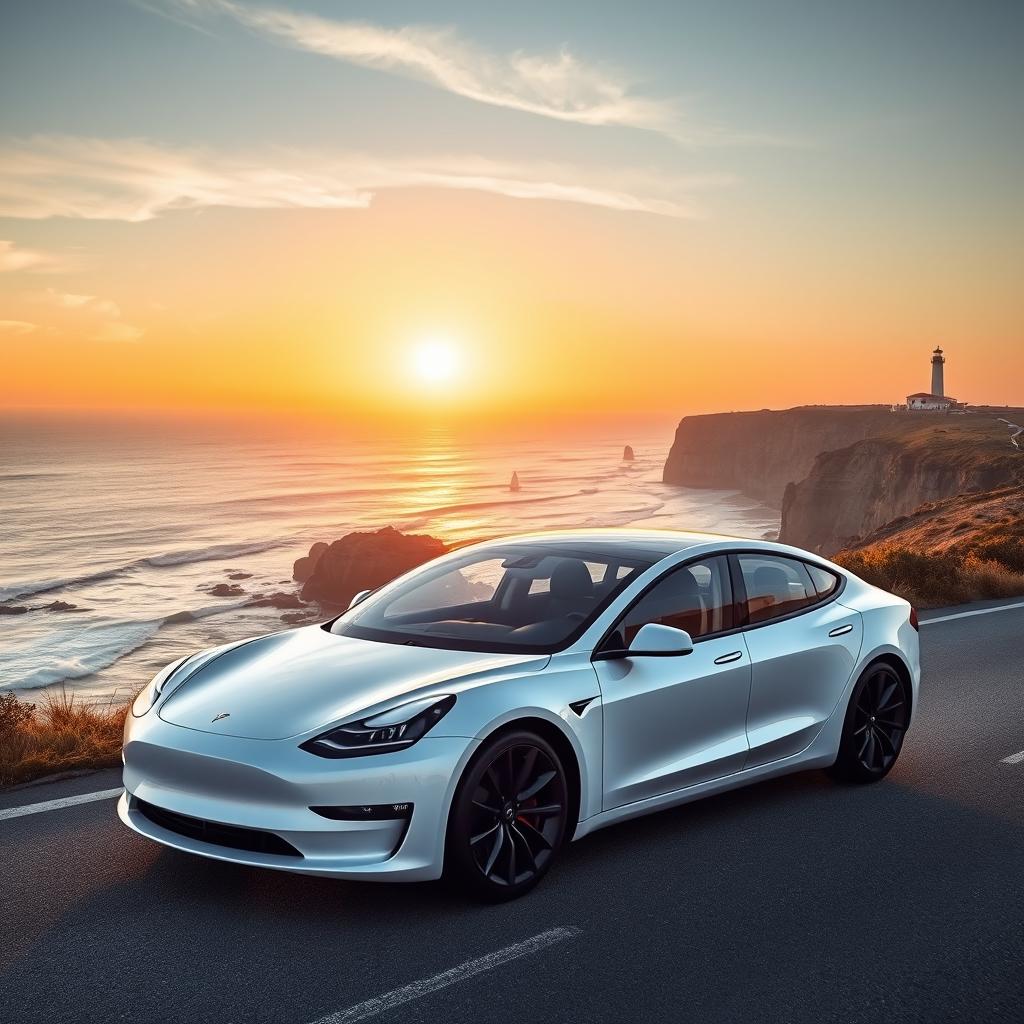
(976, 572)
(57, 734)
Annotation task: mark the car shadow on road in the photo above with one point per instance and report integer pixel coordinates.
(772, 889)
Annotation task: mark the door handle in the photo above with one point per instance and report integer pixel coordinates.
(841, 630)
(726, 658)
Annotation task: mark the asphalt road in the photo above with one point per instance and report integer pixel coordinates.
(793, 900)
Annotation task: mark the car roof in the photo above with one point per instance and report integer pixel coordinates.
(652, 545)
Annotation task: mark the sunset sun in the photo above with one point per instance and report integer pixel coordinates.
(435, 361)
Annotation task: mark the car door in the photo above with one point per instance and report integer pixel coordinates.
(803, 649)
(673, 722)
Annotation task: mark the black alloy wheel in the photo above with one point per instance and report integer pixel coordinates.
(875, 725)
(509, 817)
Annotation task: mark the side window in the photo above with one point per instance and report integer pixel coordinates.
(775, 586)
(695, 597)
(825, 582)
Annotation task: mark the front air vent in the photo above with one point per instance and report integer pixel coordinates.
(366, 812)
(215, 833)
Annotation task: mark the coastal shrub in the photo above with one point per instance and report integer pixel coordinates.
(933, 579)
(59, 734)
(13, 712)
(1008, 551)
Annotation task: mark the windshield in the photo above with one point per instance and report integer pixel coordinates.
(512, 599)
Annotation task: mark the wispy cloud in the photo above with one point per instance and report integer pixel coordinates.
(17, 327)
(100, 319)
(115, 331)
(85, 303)
(136, 180)
(14, 258)
(559, 85)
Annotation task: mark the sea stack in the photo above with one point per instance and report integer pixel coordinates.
(627, 454)
(514, 483)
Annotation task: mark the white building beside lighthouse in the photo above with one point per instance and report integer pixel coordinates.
(935, 400)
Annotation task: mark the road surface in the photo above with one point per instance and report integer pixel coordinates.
(793, 900)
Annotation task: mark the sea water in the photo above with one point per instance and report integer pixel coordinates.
(134, 524)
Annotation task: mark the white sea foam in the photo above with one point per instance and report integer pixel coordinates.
(66, 654)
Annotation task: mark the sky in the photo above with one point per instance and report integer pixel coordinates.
(575, 210)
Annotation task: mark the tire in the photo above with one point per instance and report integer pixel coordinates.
(875, 725)
(508, 819)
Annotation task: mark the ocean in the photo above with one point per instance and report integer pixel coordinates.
(133, 523)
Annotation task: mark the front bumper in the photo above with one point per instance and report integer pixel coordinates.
(268, 787)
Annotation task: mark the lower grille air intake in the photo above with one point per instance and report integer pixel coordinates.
(215, 833)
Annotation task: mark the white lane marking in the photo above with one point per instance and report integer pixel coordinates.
(1014, 758)
(56, 805)
(967, 615)
(418, 989)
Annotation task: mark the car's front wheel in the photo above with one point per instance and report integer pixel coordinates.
(876, 722)
(508, 818)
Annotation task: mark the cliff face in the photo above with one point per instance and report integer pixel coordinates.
(760, 453)
(860, 488)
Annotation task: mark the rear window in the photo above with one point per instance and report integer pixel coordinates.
(775, 586)
(825, 582)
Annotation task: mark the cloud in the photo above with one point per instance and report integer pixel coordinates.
(136, 180)
(559, 85)
(87, 303)
(100, 317)
(17, 327)
(115, 331)
(14, 258)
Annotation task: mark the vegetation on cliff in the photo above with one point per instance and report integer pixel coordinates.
(966, 548)
(58, 734)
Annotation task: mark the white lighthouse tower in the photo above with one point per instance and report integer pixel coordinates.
(938, 361)
(935, 400)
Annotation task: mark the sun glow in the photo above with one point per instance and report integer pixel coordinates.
(435, 361)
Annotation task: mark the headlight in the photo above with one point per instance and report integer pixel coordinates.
(392, 730)
(148, 697)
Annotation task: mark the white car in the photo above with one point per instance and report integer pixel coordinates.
(474, 714)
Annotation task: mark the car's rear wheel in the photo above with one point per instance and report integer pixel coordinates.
(876, 722)
(508, 818)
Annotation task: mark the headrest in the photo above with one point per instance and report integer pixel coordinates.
(680, 593)
(770, 580)
(571, 580)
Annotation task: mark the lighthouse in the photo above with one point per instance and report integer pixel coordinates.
(935, 400)
(938, 361)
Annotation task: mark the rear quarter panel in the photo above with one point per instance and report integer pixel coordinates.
(887, 630)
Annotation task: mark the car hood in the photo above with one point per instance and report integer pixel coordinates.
(292, 683)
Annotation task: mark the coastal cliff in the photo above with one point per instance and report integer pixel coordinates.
(840, 473)
(855, 490)
(760, 453)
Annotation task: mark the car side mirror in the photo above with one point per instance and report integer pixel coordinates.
(361, 596)
(652, 641)
(657, 641)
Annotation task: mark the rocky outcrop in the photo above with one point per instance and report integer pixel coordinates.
(759, 453)
(305, 566)
(628, 454)
(858, 489)
(365, 561)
